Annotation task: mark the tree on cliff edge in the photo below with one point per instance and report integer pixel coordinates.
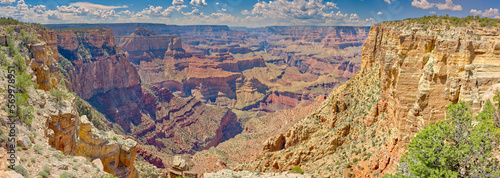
(460, 146)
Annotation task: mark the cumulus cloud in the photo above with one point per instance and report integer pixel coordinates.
(423, 4)
(487, 13)
(126, 12)
(379, 13)
(177, 2)
(7, 2)
(53, 15)
(39, 9)
(199, 3)
(448, 5)
(304, 12)
(388, 1)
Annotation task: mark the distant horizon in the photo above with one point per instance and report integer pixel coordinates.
(241, 13)
(205, 25)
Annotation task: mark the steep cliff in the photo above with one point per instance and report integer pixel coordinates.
(410, 72)
(145, 45)
(97, 65)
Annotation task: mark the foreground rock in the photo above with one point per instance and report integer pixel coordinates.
(77, 136)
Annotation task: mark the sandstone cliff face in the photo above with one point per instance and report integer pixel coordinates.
(100, 72)
(425, 69)
(418, 71)
(98, 65)
(45, 64)
(146, 45)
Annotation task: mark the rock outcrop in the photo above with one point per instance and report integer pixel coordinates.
(77, 136)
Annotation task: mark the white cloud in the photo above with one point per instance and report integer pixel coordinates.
(432, 12)
(39, 9)
(199, 3)
(7, 2)
(91, 6)
(194, 12)
(388, 1)
(126, 12)
(331, 4)
(487, 13)
(157, 11)
(177, 2)
(303, 12)
(53, 15)
(423, 4)
(449, 6)
(491, 12)
(476, 12)
(379, 13)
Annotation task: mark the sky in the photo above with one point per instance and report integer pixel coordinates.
(241, 13)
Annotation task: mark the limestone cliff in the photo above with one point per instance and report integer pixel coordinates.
(146, 45)
(410, 73)
(97, 65)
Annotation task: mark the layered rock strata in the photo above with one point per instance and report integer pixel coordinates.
(418, 70)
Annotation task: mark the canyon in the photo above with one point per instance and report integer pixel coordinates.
(144, 99)
(410, 72)
(165, 91)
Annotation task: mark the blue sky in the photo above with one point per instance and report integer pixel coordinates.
(250, 13)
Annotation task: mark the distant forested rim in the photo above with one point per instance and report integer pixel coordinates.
(469, 21)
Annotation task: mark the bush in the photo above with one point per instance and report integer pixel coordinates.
(43, 174)
(21, 170)
(67, 175)
(297, 169)
(58, 95)
(11, 44)
(460, 146)
(46, 169)
(3, 60)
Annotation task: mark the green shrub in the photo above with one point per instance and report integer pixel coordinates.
(460, 146)
(67, 175)
(43, 174)
(297, 169)
(58, 95)
(11, 45)
(21, 170)
(46, 169)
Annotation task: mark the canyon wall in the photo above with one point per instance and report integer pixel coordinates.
(410, 72)
(145, 45)
(425, 68)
